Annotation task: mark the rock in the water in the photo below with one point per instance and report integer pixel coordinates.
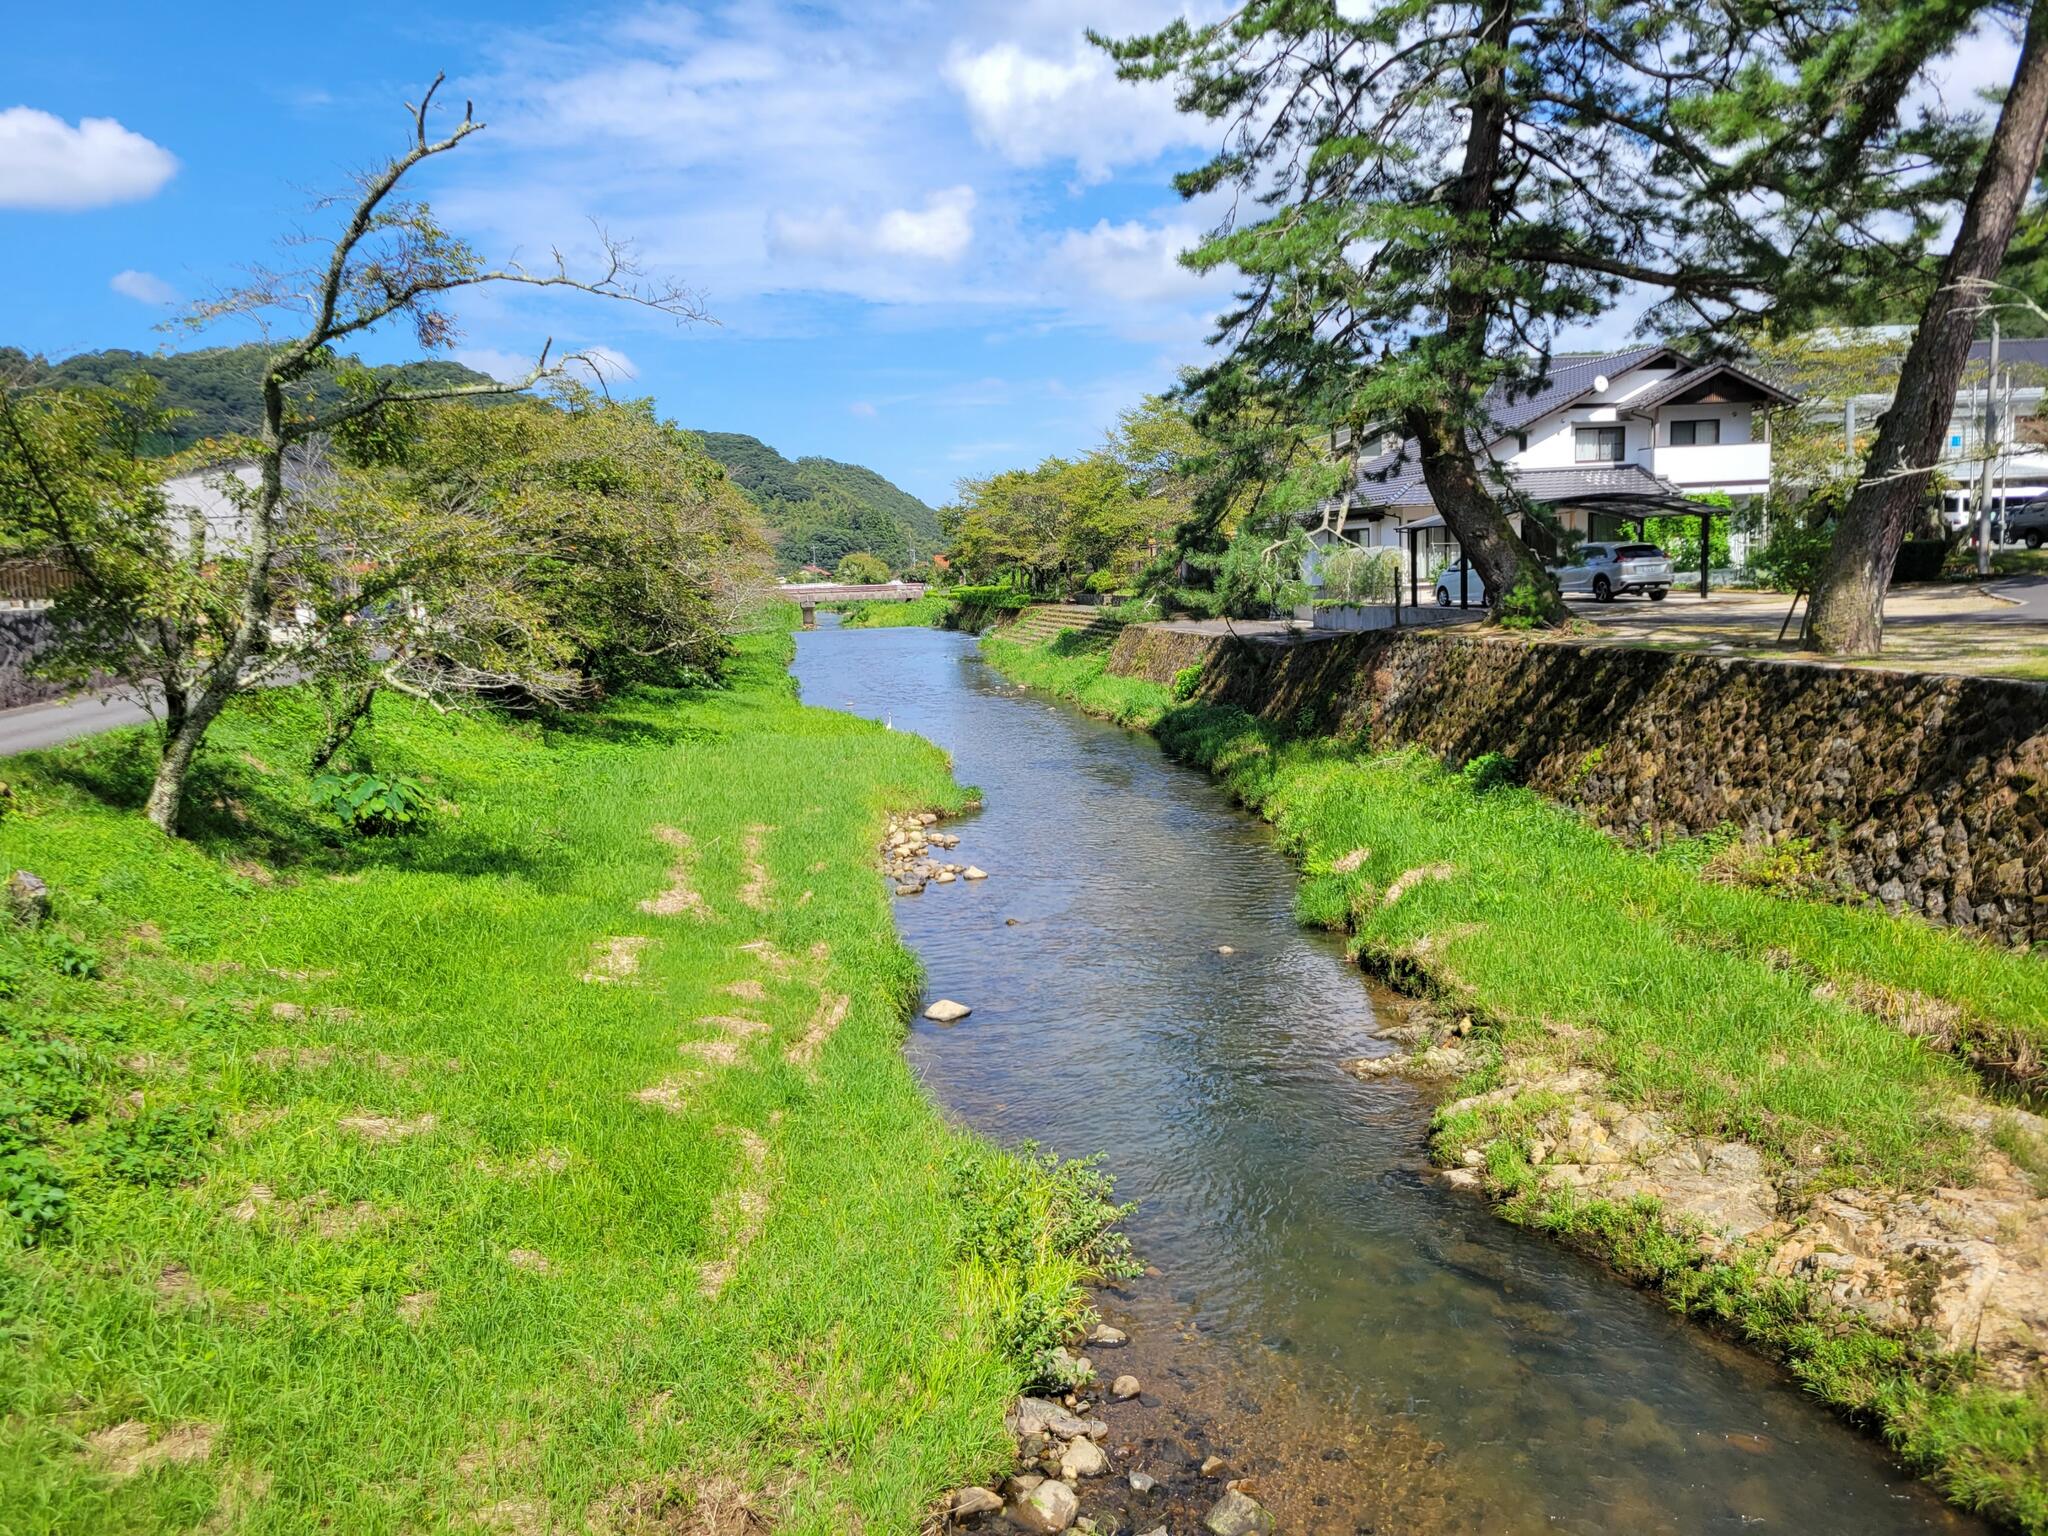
(946, 1011)
(1143, 1482)
(971, 873)
(1107, 1336)
(1238, 1514)
(1124, 1388)
(975, 1501)
(1034, 1415)
(1048, 1509)
(1083, 1458)
(28, 899)
(944, 877)
(908, 890)
(1211, 1465)
(1225, 949)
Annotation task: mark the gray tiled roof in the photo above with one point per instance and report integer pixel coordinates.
(1679, 383)
(1591, 480)
(1403, 487)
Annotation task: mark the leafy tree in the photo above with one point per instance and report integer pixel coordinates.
(154, 590)
(1846, 614)
(391, 260)
(861, 569)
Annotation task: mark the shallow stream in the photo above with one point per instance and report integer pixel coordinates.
(1379, 1353)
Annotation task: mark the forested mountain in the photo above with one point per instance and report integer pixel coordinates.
(817, 509)
(218, 386)
(820, 509)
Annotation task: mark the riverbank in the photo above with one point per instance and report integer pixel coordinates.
(1616, 1020)
(556, 1166)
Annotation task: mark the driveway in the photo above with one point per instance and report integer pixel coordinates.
(1937, 627)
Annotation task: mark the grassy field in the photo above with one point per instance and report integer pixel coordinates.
(554, 1168)
(1739, 1012)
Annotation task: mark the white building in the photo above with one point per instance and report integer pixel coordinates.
(1607, 441)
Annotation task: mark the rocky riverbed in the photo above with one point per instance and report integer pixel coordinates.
(1964, 1266)
(1117, 1461)
(911, 854)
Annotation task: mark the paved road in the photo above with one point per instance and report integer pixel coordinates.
(47, 725)
(2030, 592)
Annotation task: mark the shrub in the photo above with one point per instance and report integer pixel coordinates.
(370, 803)
(1354, 575)
(1185, 682)
(1524, 606)
(1490, 771)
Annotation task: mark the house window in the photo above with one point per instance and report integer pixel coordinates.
(1695, 434)
(1599, 445)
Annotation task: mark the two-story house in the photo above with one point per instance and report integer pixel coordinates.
(1609, 440)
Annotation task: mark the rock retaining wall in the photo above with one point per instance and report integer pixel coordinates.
(24, 635)
(1928, 792)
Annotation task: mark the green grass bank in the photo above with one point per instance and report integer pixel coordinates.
(553, 1168)
(925, 612)
(1836, 1041)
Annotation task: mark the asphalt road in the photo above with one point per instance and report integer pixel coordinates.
(47, 725)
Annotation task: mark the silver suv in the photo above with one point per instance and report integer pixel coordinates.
(1608, 570)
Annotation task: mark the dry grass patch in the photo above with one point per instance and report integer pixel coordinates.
(131, 1447)
(616, 959)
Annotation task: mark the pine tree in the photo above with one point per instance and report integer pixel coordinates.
(1437, 190)
(1846, 616)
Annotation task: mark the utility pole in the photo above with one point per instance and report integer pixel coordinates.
(1990, 458)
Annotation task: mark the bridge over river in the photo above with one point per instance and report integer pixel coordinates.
(808, 595)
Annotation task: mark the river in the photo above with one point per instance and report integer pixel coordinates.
(1382, 1354)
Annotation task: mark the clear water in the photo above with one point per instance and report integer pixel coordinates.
(1380, 1352)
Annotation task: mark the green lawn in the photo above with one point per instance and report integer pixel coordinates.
(1742, 1013)
(554, 1168)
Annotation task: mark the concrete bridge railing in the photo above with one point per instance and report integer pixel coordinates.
(807, 595)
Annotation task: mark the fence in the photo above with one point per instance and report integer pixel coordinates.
(30, 583)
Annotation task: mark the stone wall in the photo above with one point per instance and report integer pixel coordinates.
(1929, 792)
(24, 635)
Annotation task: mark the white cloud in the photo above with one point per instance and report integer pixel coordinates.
(941, 232)
(862, 408)
(45, 162)
(602, 365)
(143, 287)
(1133, 262)
(586, 364)
(504, 366)
(1035, 107)
(841, 242)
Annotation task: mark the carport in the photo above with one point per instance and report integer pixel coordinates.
(1626, 505)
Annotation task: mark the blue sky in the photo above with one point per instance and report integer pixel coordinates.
(938, 238)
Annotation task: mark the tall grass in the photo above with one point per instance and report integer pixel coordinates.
(329, 1170)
